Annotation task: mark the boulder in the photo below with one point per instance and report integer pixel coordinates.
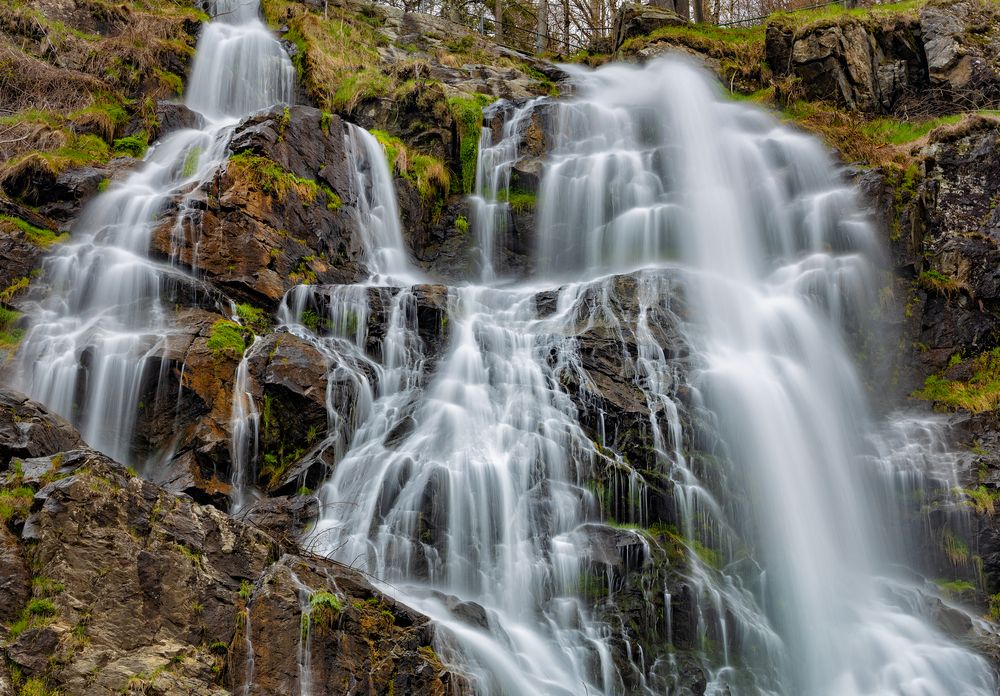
(28, 429)
(639, 20)
(283, 215)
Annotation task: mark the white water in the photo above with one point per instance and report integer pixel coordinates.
(480, 497)
(101, 314)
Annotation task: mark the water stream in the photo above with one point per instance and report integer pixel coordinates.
(102, 313)
(466, 480)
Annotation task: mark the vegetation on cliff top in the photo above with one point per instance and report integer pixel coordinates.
(56, 117)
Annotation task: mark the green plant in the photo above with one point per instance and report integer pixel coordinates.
(462, 224)
(132, 145)
(227, 339)
(979, 393)
(270, 177)
(253, 318)
(246, 590)
(468, 115)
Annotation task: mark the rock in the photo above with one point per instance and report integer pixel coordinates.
(959, 218)
(356, 639)
(15, 578)
(638, 20)
(254, 241)
(942, 58)
(154, 592)
(290, 388)
(28, 429)
(285, 517)
(172, 116)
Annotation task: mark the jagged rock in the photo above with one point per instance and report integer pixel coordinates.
(255, 241)
(171, 116)
(284, 517)
(290, 386)
(155, 592)
(15, 578)
(960, 224)
(28, 429)
(943, 57)
(187, 409)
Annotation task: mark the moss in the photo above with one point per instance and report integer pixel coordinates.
(37, 235)
(939, 282)
(36, 686)
(979, 393)
(333, 201)
(271, 178)
(955, 588)
(468, 115)
(191, 159)
(227, 339)
(12, 290)
(169, 81)
(519, 201)
(462, 224)
(427, 173)
(253, 318)
(15, 503)
(132, 145)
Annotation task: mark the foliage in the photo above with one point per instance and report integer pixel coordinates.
(979, 393)
(132, 145)
(253, 318)
(37, 235)
(427, 173)
(15, 503)
(468, 115)
(270, 177)
(519, 201)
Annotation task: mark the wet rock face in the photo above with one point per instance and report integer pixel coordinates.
(118, 585)
(315, 620)
(941, 58)
(278, 215)
(956, 233)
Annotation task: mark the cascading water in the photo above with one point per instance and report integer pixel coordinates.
(99, 317)
(463, 482)
(467, 488)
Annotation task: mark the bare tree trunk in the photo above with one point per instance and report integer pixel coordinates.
(497, 12)
(699, 11)
(565, 18)
(542, 30)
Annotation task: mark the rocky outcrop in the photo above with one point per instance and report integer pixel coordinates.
(944, 234)
(940, 58)
(28, 429)
(117, 585)
(278, 215)
(639, 20)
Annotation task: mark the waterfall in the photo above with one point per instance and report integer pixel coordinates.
(99, 317)
(466, 489)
